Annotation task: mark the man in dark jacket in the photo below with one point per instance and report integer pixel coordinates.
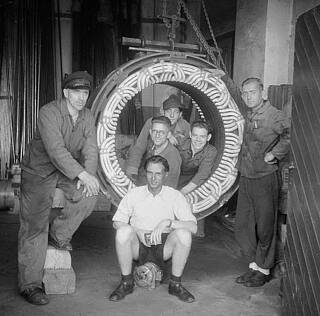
(198, 157)
(63, 154)
(266, 140)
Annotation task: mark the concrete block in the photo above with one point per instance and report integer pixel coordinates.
(59, 281)
(57, 259)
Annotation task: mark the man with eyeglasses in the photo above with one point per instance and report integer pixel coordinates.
(157, 144)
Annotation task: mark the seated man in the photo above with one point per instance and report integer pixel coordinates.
(158, 144)
(165, 214)
(197, 157)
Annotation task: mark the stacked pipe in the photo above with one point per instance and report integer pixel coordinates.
(26, 80)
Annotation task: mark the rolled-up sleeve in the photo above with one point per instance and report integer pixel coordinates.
(182, 209)
(49, 128)
(124, 210)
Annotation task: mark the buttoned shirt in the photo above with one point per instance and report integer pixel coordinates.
(266, 130)
(59, 144)
(143, 210)
(180, 131)
(198, 166)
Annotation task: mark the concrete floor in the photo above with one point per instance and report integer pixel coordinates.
(214, 264)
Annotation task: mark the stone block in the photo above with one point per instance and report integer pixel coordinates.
(59, 281)
(57, 259)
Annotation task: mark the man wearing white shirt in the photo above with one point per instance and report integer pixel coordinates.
(162, 212)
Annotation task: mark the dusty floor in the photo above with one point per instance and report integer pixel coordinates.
(209, 275)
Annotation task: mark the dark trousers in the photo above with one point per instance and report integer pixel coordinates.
(256, 219)
(36, 201)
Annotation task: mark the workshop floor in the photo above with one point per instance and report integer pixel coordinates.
(214, 264)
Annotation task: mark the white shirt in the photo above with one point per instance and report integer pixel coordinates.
(143, 210)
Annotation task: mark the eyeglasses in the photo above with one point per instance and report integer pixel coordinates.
(157, 132)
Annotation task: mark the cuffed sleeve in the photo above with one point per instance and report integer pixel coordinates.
(90, 147)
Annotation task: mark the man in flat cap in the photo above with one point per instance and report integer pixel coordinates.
(179, 131)
(63, 154)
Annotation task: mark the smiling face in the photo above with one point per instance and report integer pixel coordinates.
(159, 133)
(76, 99)
(199, 137)
(155, 176)
(252, 94)
(173, 115)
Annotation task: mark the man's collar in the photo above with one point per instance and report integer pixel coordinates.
(150, 193)
(193, 152)
(65, 111)
(261, 108)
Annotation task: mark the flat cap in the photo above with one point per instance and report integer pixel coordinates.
(78, 80)
(172, 102)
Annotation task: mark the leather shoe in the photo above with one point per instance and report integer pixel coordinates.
(176, 288)
(61, 245)
(123, 289)
(245, 277)
(258, 279)
(35, 296)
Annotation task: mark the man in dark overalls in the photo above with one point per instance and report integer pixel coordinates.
(63, 154)
(266, 140)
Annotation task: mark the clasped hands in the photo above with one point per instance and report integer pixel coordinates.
(155, 235)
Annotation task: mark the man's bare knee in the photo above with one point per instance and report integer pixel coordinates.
(183, 237)
(124, 234)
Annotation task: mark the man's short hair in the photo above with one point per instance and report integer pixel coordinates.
(78, 80)
(172, 102)
(157, 159)
(161, 119)
(252, 79)
(200, 124)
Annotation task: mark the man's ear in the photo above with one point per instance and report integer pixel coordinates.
(65, 93)
(209, 137)
(169, 134)
(190, 134)
(150, 132)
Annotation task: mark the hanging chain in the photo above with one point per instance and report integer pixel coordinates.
(212, 36)
(210, 50)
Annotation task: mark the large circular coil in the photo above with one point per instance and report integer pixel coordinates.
(197, 78)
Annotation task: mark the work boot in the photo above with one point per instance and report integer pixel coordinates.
(258, 279)
(123, 289)
(60, 245)
(245, 277)
(35, 296)
(176, 288)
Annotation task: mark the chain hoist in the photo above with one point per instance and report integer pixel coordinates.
(209, 49)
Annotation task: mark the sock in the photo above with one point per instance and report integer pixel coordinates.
(253, 266)
(264, 271)
(127, 278)
(175, 278)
